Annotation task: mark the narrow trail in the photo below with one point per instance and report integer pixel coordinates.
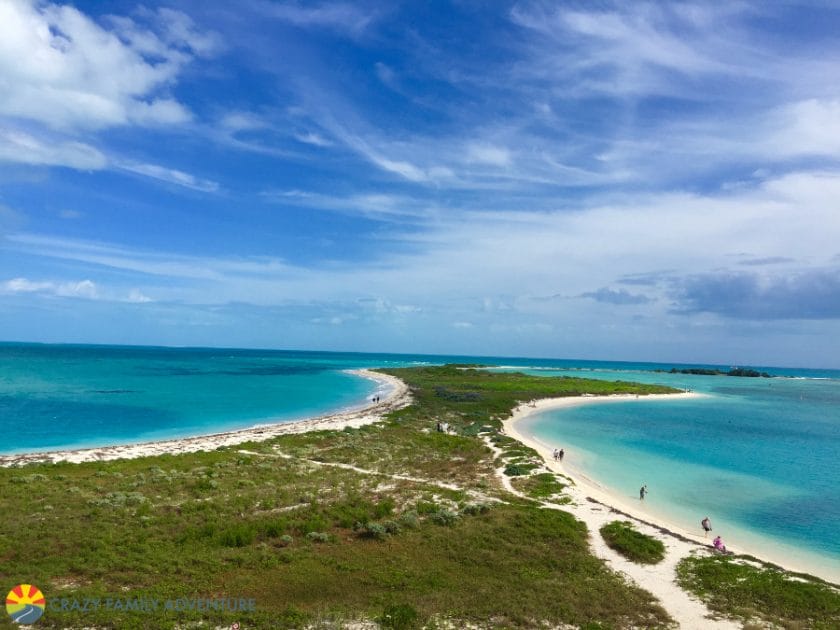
(365, 471)
(658, 579)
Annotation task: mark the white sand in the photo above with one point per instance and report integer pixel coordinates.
(397, 396)
(596, 505)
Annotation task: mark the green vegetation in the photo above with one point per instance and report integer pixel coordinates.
(422, 534)
(743, 587)
(714, 372)
(539, 486)
(632, 544)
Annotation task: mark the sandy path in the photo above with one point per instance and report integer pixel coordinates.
(397, 397)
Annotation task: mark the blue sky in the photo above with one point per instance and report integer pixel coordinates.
(640, 181)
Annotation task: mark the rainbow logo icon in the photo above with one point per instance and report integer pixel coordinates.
(25, 604)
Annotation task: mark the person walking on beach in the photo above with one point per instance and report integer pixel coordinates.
(560, 454)
(642, 492)
(707, 526)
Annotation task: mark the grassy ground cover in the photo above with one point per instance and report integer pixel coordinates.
(761, 594)
(419, 532)
(632, 544)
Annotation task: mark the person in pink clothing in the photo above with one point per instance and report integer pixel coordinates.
(718, 543)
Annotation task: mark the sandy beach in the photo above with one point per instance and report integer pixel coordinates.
(596, 504)
(395, 396)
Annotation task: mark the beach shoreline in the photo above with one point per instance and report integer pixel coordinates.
(395, 396)
(590, 491)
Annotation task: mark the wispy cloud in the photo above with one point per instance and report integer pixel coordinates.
(338, 16)
(381, 206)
(21, 147)
(170, 175)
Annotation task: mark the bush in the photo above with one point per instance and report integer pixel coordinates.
(515, 470)
(371, 530)
(392, 527)
(319, 537)
(384, 508)
(444, 517)
(633, 545)
(475, 508)
(399, 617)
(240, 535)
(409, 519)
(427, 507)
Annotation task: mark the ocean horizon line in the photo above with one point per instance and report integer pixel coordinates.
(691, 363)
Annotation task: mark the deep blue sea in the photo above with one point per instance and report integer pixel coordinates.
(759, 456)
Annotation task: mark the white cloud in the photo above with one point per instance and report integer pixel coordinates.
(62, 69)
(313, 138)
(810, 127)
(135, 296)
(380, 206)
(631, 48)
(22, 285)
(338, 16)
(488, 154)
(82, 289)
(496, 261)
(17, 146)
(170, 175)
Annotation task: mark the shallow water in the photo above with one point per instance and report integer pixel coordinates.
(758, 456)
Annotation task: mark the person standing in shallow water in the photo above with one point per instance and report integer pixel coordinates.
(707, 526)
(642, 492)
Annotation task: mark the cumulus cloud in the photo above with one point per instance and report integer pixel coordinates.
(82, 289)
(136, 296)
(61, 68)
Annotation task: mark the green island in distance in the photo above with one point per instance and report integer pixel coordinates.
(393, 523)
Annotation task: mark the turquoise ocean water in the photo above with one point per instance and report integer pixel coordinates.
(759, 456)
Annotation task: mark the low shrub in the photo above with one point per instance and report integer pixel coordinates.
(409, 519)
(399, 617)
(239, 535)
(444, 517)
(632, 544)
